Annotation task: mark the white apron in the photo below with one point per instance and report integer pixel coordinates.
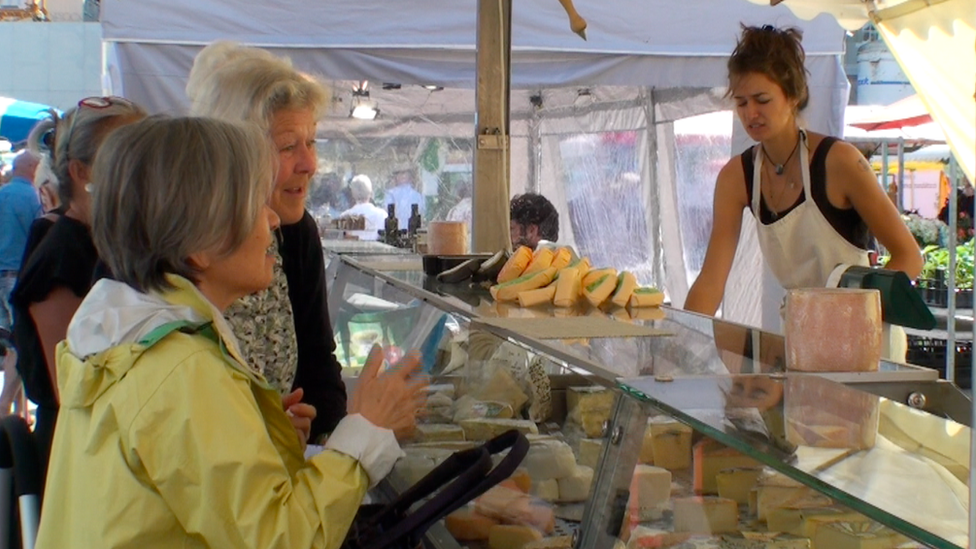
(802, 247)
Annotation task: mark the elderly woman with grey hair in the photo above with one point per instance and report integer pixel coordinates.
(161, 416)
(361, 189)
(285, 331)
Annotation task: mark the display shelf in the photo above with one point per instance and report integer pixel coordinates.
(897, 465)
(689, 373)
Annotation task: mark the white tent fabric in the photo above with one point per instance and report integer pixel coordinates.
(646, 64)
(933, 41)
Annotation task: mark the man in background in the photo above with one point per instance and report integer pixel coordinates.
(19, 206)
(403, 195)
(534, 221)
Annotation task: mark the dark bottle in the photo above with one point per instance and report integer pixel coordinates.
(413, 225)
(392, 226)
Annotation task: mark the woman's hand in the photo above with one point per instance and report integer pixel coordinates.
(392, 399)
(300, 414)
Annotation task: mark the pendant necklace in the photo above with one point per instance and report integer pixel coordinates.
(779, 168)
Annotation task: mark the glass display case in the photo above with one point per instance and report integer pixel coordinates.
(678, 431)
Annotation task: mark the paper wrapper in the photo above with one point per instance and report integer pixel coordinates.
(833, 330)
(824, 414)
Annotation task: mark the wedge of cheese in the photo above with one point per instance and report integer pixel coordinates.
(563, 257)
(646, 297)
(589, 451)
(541, 260)
(439, 432)
(710, 457)
(537, 297)
(487, 429)
(515, 265)
(626, 284)
(857, 535)
(576, 487)
(507, 536)
(557, 542)
(593, 275)
(567, 287)
(590, 408)
(467, 525)
(597, 291)
(509, 291)
(736, 483)
(670, 444)
(705, 515)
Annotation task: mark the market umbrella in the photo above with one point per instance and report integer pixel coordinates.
(17, 118)
(900, 114)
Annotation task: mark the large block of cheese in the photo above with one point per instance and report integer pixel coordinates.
(576, 487)
(647, 447)
(467, 525)
(438, 432)
(857, 535)
(833, 330)
(507, 536)
(670, 445)
(824, 414)
(650, 489)
(710, 457)
(735, 484)
(546, 489)
(549, 459)
(805, 522)
(589, 451)
(705, 515)
(557, 542)
(763, 540)
(775, 490)
(590, 408)
(487, 429)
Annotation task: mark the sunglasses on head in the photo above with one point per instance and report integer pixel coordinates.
(96, 103)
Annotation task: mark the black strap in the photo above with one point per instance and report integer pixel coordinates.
(18, 451)
(458, 493)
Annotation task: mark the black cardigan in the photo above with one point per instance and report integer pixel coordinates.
(319, 372)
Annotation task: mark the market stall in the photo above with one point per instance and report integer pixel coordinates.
(585, 116)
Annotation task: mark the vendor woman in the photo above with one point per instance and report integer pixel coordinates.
(802, 240)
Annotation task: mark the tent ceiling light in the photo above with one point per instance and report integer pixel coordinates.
(433, 88)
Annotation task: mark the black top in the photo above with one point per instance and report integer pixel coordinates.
(847, 222)
(318, 370)
(38, 230)
(65, 258)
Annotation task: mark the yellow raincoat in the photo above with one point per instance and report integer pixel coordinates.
(168, 441)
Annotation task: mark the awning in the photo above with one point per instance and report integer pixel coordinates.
(17, 118)
(933, 42)
(902, 114)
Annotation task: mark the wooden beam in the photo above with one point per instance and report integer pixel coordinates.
(490, 199)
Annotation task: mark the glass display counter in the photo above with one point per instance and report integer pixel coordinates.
(690, 434)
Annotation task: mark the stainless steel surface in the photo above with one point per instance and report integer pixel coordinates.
(942, 398)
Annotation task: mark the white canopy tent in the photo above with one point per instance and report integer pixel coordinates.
(646, 64)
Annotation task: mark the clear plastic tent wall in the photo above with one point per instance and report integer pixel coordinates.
(603, 128)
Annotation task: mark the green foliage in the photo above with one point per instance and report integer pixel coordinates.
(937, 259)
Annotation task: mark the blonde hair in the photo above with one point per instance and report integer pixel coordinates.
(238, 83)
(77, 136)
(170, 187)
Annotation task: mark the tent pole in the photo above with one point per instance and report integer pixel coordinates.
(901, 174)
(950, 277)
(884, 169)
(490, 199)
(535, 152)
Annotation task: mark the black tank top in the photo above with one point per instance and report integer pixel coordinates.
(847, 222)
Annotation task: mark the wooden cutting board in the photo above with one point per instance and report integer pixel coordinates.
(572, 327)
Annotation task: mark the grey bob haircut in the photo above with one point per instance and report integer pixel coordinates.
(165, 188)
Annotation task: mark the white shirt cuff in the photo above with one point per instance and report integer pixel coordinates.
(375, 448)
